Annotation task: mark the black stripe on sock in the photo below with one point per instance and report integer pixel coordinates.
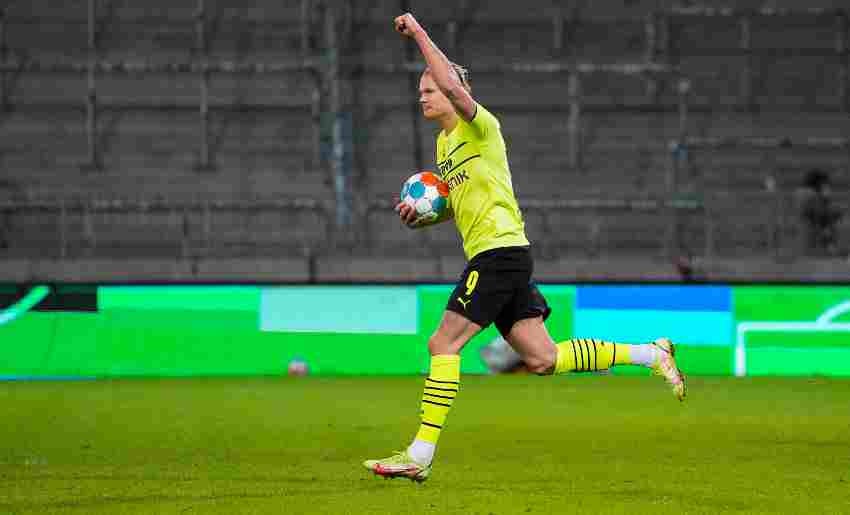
(440, 389)
(431, 425)
(587, 349)
(437, 403)
(585, 355)
(444, 382)
(596, 349)
(579, 355)
(595, 356)
(439, 396)
(614, 357)
(582, 354)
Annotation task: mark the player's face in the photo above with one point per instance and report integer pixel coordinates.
(434, 104)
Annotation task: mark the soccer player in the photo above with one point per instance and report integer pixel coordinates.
(495, 287)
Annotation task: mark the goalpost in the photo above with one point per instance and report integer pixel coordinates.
(817, 358)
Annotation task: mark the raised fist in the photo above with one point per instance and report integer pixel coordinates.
(406, 24)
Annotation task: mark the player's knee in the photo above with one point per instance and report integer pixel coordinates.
(540, 365)
(439, 345)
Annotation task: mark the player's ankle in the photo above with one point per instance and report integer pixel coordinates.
(421, 452)
(644, 355)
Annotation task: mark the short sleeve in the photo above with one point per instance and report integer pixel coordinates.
(484, 123)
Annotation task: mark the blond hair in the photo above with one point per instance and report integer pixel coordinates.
(461, 72)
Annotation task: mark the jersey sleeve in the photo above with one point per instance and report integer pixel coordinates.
(484, 124)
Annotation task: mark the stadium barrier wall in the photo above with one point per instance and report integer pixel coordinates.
(61, 331)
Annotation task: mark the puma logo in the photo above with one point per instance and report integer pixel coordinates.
(465, 304)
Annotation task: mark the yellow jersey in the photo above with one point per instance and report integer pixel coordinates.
(473, 160)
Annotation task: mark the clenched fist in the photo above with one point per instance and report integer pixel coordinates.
(406, 24)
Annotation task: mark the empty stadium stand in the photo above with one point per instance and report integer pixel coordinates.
(639, 131)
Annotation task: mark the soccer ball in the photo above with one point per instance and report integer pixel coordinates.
(427, 194)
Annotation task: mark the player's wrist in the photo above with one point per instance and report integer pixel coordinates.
(421, 36)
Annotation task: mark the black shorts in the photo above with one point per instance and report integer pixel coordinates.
(496, 287)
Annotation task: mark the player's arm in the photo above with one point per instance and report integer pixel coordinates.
(440, 66)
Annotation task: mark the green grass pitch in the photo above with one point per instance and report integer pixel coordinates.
(513, 444)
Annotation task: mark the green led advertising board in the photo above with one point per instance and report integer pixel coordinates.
(187, 330)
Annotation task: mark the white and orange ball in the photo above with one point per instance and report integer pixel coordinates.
(427, 194)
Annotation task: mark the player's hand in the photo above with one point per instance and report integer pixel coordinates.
(406, 24)
(407, 214)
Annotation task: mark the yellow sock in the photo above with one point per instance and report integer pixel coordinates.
(441, 387)
(587, 355)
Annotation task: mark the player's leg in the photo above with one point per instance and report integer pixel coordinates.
(442, 383)
(441, 388)
(542, 356)
(527, 334)
(532, 342)
(478, 297)
(452, 334)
